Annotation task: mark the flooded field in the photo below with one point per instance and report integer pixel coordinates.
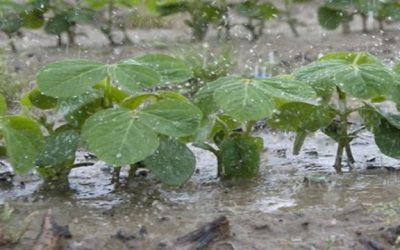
(295, 202)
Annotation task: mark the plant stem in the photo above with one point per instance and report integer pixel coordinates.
(289, 19)
(11, 43)
(349, 154)
(108, 97)
(115, 175)
(249, 127)
(342, 130)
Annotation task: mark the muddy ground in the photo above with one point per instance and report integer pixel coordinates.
(296, 202)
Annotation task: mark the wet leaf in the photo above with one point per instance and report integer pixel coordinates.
(297, 116)
(117, 137)
(252, 99)
(60, 147)
(70, 77)
(387, 138)
(173, 162)
(240, 156)
(134, 77)
(360, 78)
(77, 109)
(329, 18)
(23, 139)
(172, 117)
(41, 101)
(172, 70)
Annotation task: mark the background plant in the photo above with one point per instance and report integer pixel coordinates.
(201, 14)
(257, 13)
(336, 12)
(14, 16)
(64, 17)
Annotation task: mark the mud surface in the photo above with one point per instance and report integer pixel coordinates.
(296, 202)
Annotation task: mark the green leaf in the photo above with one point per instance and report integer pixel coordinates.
(60, 147)
(23, 139)
(204, 98)
(41, 101)
(3, 105)
(117, 137)
(57, 24)
(10, 24)
(251, 9)
(240, 156)
(252, 99)
(172, 70)
(357, 58)
(173, 162)
(133, 102)
(387, 138)
(329, 18)
(134, 77)
(172, 117)
(80, 15)
(32, 19)
(297, 116)
(77, 109)
(365, 80)
(299, 141)
(70, 77)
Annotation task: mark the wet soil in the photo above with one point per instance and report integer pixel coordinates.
(296, 202)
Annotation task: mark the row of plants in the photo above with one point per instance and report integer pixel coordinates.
(58, 17)
(110, 111)
(335, 13)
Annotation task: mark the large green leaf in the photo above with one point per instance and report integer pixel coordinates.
(134, 77)
(240, 156)
(172, 70)
(173, 162)
(23, 140)
(297, 116)
(387, 138)
(75, 77)
(359, 78)
(253, 99)
(60, 147)
(70, 77)
(172, 117)
(117, 137)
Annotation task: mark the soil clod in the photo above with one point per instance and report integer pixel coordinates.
(51, 234)
(202, 236)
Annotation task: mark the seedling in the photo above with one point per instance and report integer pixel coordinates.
(103, 108)
(359, 76)
(202, 14)
(257, 13)
(231, 106)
